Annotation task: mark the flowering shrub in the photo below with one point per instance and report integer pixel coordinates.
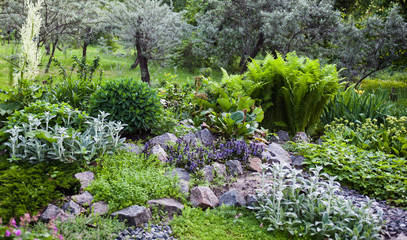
(310, 207)
(389, 137)
(193, 157)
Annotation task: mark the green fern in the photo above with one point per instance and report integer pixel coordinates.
(292, 91)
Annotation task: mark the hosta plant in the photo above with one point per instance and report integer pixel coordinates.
(310, 206)
(37, 139)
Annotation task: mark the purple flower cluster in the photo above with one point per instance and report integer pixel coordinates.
(193, 158)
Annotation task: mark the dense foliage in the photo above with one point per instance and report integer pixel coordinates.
(132, 102)
(310, 207)
(293, 92)
(127, 179)
(374, 173)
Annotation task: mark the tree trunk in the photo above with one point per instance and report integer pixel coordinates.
(253, 54)
(145, 75)
(136, 62)
(86, 42)
(54, 46)
(47, 49)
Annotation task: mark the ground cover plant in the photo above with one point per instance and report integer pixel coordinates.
(127, 179)
(309, 207)
(371, 172)
(222, 223)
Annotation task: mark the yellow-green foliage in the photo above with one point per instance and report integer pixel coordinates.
(387, 85)
(294, 90)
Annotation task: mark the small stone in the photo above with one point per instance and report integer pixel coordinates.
(283, 136)
(232, 198)
(301, 137)
(160, 153)
(255, 164)
(203, 197)
(85, 198)
(135, 215)
(163, 140)
(234, 167)
(208, 173)
(182, 174)
(298, 162)
(85, 178)
(275, 153)
(220, 169)
(205, 136)
(100, 208)
(72, 207)
(54, 212)
(251, 200)
(184, 186)
(131, 147)
(167, 205)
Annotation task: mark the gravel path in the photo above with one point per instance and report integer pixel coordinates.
(159, 232)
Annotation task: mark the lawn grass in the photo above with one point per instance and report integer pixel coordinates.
(115, 65)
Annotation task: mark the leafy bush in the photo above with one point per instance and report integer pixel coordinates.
(356, 106)
(292, 92)
(221, 223)
(374, 173)
(34, 139)
(389, 137)
(127, 179)
(309, 207)
(25, 188)
(193, 157)
(132, 102)
(76, 91)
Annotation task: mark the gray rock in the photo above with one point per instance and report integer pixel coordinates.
(184, 186)
(283, 136)
(298, 162)
(251, 200)
(100, 208)
(131, 147)
(168, 205)
(160, 153)
(181, 173)
(203, 197)
(301, 137)
(234, 167)
(205, 136)
(54, 212)
(255, 164)
(135, 215)
(72, 208)
(163, 140)
(275, 153)
(83, 199)
(85, 178)
(189, 138)
(208, 173)
(220, 169)
(232, 198)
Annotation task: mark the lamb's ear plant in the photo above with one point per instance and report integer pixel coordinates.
(310, 206)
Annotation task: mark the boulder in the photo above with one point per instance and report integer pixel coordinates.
(232, 198)
(301, 137)
(182, 174)
(283, 136)
(131, 147)
(251, 200)
(205, 136)
(72, 207)
(298, 162)
(54, 212)
(189, 138)
(184, 186)
(160, 153)
(255, 164)
(203, 197)
(85, 198)
(220, 169)
(168, 205)
(208, 173)
(275, 153)
(135, 215)
(85, 178)
(234, 167)
(163, 140)
(100, 208)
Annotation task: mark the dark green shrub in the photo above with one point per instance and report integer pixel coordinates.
(132, 102)
(26, 188)
(293, 91)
